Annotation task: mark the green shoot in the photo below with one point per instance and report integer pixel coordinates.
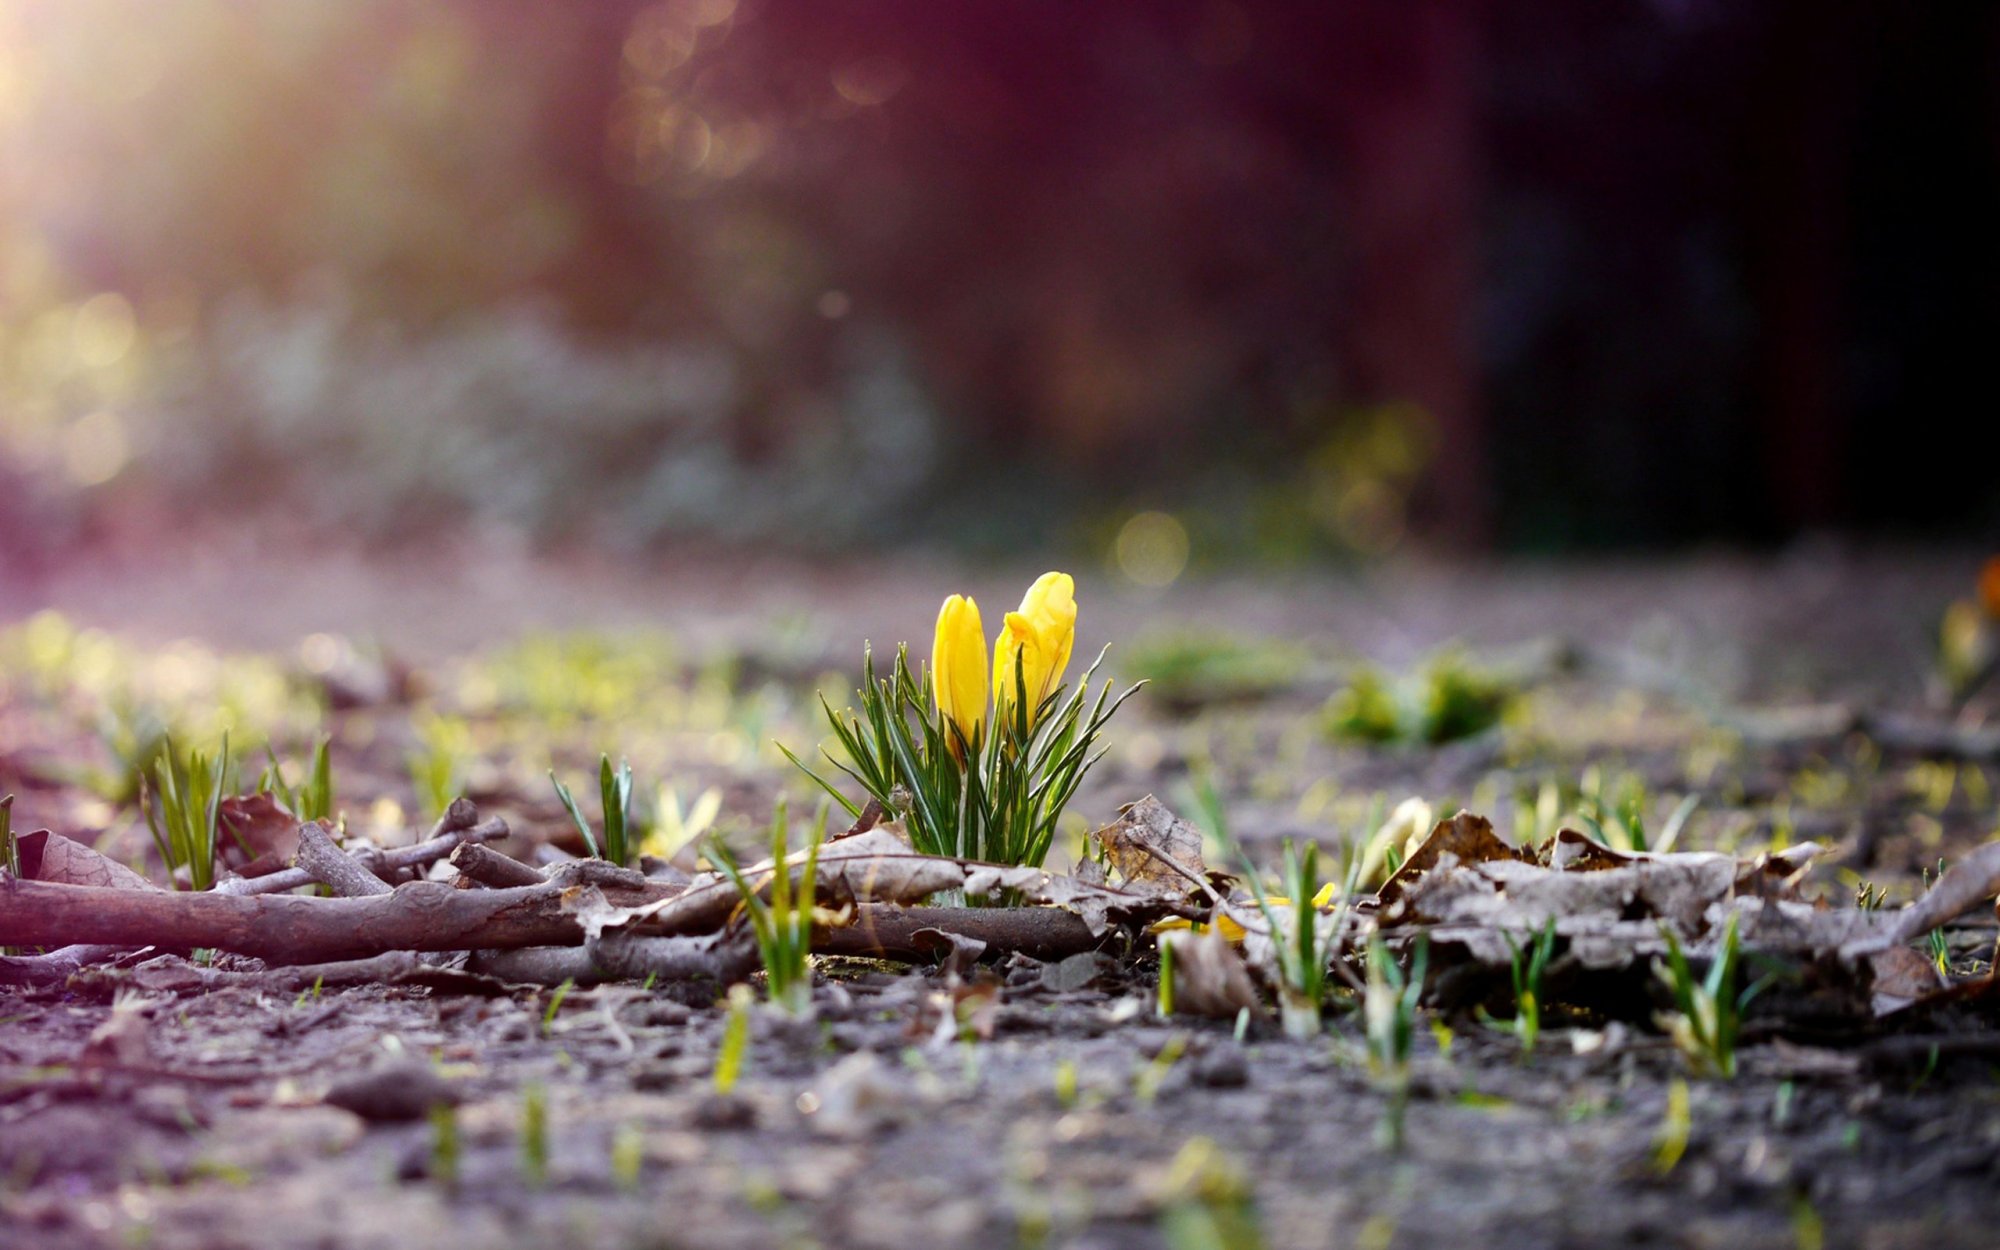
(534, 1134)
(1166, 998)
(1868, 896)
(1709, 1010)
(1304, 948)
(1934, 941)
(1002, 803)
(183, 821)
(445, 1149)
(783, 923)
(437, 766)
(1389, 1007)
(628, 1156)
(1209, 1203)
(1066, 1084)
(10, 853)
(1528, 969)
(1147, 1080)
(614, 788)
(311, 799)
(555, 1004)
(735, 1041)
(1675, 1127)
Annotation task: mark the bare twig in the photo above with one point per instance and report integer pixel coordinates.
(384, 864)
(486, 866)
(334, 868)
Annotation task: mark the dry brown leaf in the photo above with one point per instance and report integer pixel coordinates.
(256, 829)
(1468, 839)
(53, 858)
(1901, 978)
(1144, 834)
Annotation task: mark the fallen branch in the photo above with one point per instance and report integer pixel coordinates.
(285, 928)
(56, 966)
(878, 932)
(720, 957)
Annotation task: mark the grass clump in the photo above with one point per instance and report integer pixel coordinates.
(1444, 700)
(312, 798)
(783, 923)
(1529, 967)
(183, 808)
(614, 788)
(1708, 1010)
(1189, 669)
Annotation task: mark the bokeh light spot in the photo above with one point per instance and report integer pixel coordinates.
(95, 448)
(103, 330)
(1152, 549)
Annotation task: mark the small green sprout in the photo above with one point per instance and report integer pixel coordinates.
(1147, 1080)
(1165, 1005)
(735, 1040)
(184, 819)
(445, 1148)
(1389, 1008)
(1868, 896)
(1528, 968)
(534, 1134)
(1208, 1201)
(311, 799)
(1935, 941)
(1709, 1011)
(1304, 947)
(1675, 1128)
(614, 787)
(10, 852)
(437, 766)
(628, 1156)
(783, 923)
(555, 1004)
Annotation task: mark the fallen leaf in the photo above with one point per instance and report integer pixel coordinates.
(256, 830)
(1468, 839)
(1147, 833)
(53, 858)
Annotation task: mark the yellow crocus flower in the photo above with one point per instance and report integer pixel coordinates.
(958, 671)
(1036, 640)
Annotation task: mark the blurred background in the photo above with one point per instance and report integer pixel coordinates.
(1187, 283)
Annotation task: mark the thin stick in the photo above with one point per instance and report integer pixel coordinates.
(334, 868)
(383, 864)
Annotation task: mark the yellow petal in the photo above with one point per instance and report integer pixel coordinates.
(1036, 641)
(958, 668)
